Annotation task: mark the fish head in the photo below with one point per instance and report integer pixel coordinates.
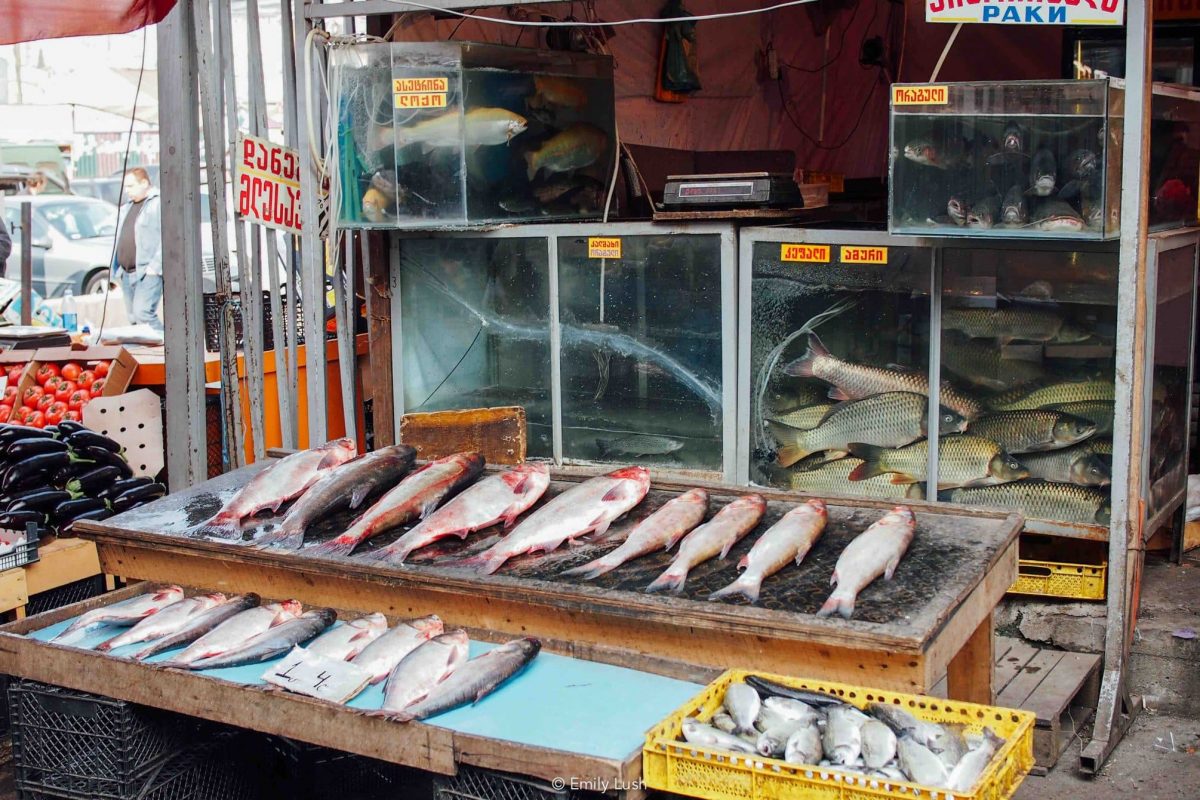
(1005, 468)
(950, 421)
(818, 505)
(1071, 334)
(1083, 163)
(980, 218)
(211, 599)
(373, 622)
(515, 126)
(1069, 429)
(768, 744)
(902, 515)
(428, 626)
(958, 208)
(639, 475)
(168, 594)
(454, 638)
(921, 151)
(1104, 512)
(1090, 471)
(1013, 139)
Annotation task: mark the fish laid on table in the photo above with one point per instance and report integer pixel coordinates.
(125, 613)
(283, 480)
(968, 769)
(1013, 323)
(963, 460)
(1013, 208)
(638, 445)
(1032, 430)
(842, 738)
(414, 497)
(1043, 173)
(235, 631)
(579, 145)
(805, 418)
(166, 622)
(1054, 395)
(1099, 412)
(715, 537)
(1036, 499)
(697, 732)
(478, 127)
(659, 531)
(495, 499)
(858, 381)
(381, 656)
(587, 508)
(416, 675)
(1076, 465)
(1057, 216)
(346, 485)
(347, 640)
(981, 363)
(985, 212)
(474, 680)
(743, 704)
(891, 419)
(834, 478)
(874, 552)
(275, 641)
(787, 541)
(199, 624)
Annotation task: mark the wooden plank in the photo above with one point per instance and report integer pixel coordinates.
(379, 335)
(498, 433)
(1061, 686)
(14, 590)
(1010, 665)
(62, 561)
(969, 675)
(1029, 678)
(1002, 646)
(1191, 535)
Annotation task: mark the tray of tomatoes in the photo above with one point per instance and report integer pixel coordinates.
(57, 392)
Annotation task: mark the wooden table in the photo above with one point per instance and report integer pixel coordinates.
(60, 562)
(933, 619)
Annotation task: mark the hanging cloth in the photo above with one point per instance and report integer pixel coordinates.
(678, 67)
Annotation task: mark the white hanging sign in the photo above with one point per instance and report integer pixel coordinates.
(267, 183)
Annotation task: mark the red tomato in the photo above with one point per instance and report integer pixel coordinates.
(15, 372)
(5, 412)
(52, 384)
(71, 370)
(97, 387)
(86, 379)
(45, 401)
(31, 396)
(73, 415)
(36, 419)
(10, 394)
(78, 399)
(64, 389)
(101, 369)
(21, 414)
(46, 372)
(56, 412)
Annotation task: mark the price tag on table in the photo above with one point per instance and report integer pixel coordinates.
(317, 676)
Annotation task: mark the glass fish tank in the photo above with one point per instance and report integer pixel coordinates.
(1029, 159)
(460, 134)
(1174, 157)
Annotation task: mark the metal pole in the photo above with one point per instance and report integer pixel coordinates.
(26, 263)
(343, 292)
(183, 337)
(290, 137)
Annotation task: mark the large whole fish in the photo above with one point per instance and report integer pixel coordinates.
(919, 762)
(843, 734)
(283, 480)
(786, 541)
(236, 630)
(1043, 173)
(925, 152)
(968, 769)
(1054, 395)
(637, 445)
(554, 91)
(1098, 412)
(1036, 499)
(697, 732)
(579, 145)
(891, 419)
(199, 624)
(589, 507)
(743, 705)
(834, 478)
(414, 497)
(874, 552)
(125, 613)
(980, 363)
(715, 537)
(963, 460)
(347, 640)
(958, 208)
(659, 531)
(985, 212)
(416, 675)
(1032, 430)
(858, 381)
(478, 127)
(383, 654)
(878, 744)
(1014, 210)
(165, 622)
(1055, 215)
(1013, 323)
(804, 746)
(498, 498)
(1072, 465)
(804, 418)
(275, 641)
(475, 679)
(346, 485)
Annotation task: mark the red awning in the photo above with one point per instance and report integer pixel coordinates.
(29, 20)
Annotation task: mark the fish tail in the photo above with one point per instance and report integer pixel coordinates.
(531, 165)
(286, 537)
(872, 458)
(747, 589)
(802, 367)
(387, 555)
(390, 716)
(485, 563)
(107, 645)
(670, 581)
(219, 527)
(590, 570)
(337, 546)
(843, 605)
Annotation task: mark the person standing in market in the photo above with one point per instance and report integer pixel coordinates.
(137, 264)
(5, 239)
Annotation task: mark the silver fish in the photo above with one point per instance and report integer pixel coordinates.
(125, 613)
(790, 708)
(382, 655)
(475, 679)
(170, 620)
(1013, 209)
(1043, 173)
(235, 631)
(346, 485)
(919, 763)
(947, 744)
(772, 742)
(804, 746)
(275, 641)
(787, 541)
(283, 480)
(349, 639)
(874, 552)
(966, 773)
(743, 704)
(415, 676)
(638, 445)
(696, 732)
(878, 744)
(985, 212)
(200, 624)
(715, 537)
(1075, 464)
(843, 734)
(958, 207)
(659, 531)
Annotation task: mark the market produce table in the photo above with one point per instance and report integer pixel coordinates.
(933, 619)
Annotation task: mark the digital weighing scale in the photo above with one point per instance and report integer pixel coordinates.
(732, 190)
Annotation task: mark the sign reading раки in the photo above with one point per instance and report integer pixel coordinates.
(1027, 12)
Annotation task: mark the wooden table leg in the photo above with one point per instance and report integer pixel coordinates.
(969, 676)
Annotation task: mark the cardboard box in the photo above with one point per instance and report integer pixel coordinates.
(120, 371)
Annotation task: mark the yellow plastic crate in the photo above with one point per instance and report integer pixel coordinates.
(1055, 579)
(695, 771)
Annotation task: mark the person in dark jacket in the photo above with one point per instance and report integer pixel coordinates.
(5, 239)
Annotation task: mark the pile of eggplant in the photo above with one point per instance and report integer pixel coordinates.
(61, 474)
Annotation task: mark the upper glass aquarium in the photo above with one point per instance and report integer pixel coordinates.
(1030, 159)
(454, 134)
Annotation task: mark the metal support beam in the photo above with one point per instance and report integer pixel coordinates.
(367, 8)
(290, 425)
(26, 263)
(186, 440)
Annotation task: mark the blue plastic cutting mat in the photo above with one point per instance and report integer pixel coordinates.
(557, 702)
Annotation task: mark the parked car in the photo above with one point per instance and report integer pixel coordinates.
(14, 179)
(72, 242)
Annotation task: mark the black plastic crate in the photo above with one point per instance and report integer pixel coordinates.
(212, 320)
(320, 773)
(65, 595)
(72, 744)
(473, 783)
(22, 554)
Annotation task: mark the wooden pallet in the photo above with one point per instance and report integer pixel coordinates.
(1060, 687)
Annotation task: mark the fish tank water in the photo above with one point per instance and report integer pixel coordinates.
(459, 134)
(1029, 159)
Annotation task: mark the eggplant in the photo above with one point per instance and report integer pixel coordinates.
(85, 438)
(17, 520)
(93, 480)
(136, 496)
(68, 510)
(104, 457)
(68, 427)
(101, 513)
(39, 500)
(31, 481)
(123, 485)
(14, 432)
(40, 463)
(23, 448)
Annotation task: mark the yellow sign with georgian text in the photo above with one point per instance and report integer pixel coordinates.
(864, 255)
(604, 247)
(805, 253)
(420, 92)
(920, 95)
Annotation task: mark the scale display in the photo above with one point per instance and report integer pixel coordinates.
(741, 190)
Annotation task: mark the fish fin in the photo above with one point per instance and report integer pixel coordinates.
(386, 555)
(485, 563)
(672, 581)
(218, 528)
(586, 572)
(726, 548)
(745, 589)
(613, 494)
(531, 165)
(890, 570)
(600, 527)
(788, 455)
(871, 457)
(836, 393)
(800, 555)
(337, 546)
(285, 537)
(521, 485)
(903, 368)
(359, 494)
(844, 606)
(900, 479)
(802, 367)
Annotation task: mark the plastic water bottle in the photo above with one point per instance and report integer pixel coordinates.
(70, 314)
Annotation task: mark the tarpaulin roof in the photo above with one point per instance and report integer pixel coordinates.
(30, 20)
